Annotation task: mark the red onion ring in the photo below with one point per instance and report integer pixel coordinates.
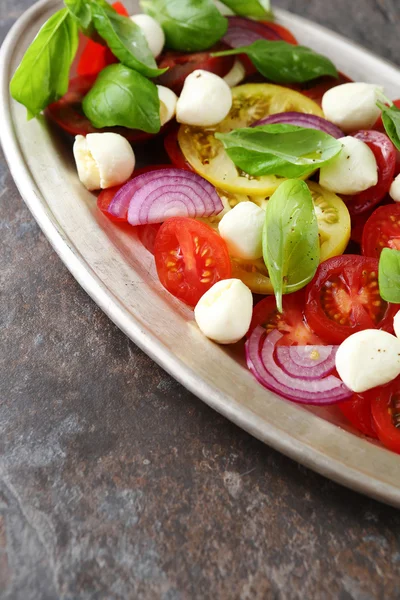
(157, 195)
(260, 360)
(243, 32)
(306, 362)
(302, 120)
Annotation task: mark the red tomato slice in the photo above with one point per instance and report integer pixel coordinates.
(358, 412)
(385, 154)
(344, 298)
(106, 196)
(284, 33)
(147, 235)
(174, 151)
(180, 65)
(190, 257)
(382, 230)
(96, 57)
(317, 88)
(68, 114)
(358, 221)
(385, 405)
(291, 321)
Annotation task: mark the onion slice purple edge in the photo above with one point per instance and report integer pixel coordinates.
(302, 120)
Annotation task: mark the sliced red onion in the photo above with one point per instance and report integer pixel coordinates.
(306, 362)
(260, 360)
(302, 120)
(157, 195)
(243, 32)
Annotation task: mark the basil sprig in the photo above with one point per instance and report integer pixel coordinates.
(42, 77)
(123, 97)
(290, 238)
(389, 275)
(284, 150)
(257, 9)
(282, 62)
(391, 122)
(189, 25)
(125, 39)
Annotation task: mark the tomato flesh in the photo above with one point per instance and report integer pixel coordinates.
(385, 155)
(190, 257)
(385, 405)
(358, 412)
(290, 322)
(285, 34)
(344, 298)
(382, 230)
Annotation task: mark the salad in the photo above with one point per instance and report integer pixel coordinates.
(275, 214)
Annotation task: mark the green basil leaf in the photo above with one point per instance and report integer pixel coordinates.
(290, 238)
(258, 9)
(284, 150)
(389, 275)
(42, 76)
(125, 39)
(123, 97)
(80, 10)
(391, 122)
(285, 63)
(189, 25)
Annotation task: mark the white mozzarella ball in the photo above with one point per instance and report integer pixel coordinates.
(223, 9)
(236, 74)
(224, 313)
(352, 106)
(368, 359)
(168, 100)
(352, 171)
(396, 324)
(242, 228)
(103, 160)
(205, 100)
(152, 31)
(395, 189)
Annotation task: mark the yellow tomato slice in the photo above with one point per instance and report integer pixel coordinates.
(251, 102)
(254, 274)
(334, 223)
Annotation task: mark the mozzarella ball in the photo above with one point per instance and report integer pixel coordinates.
(396, 324)
(103, 160)
(395, 189)
(242, 228)
(205, 100)
(352, 171)
(223, 9)
(368, 359)
(168, 100)
(236, 74)
(224, 313)
(152, 31)
(352, 106)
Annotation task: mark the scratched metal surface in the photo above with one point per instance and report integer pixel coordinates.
(116, 483)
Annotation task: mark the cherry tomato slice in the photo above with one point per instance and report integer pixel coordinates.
(68, 114)
(382, 230)
(174, 151)
(285, 34)
(317, 88)
(190, 257)
(385, 154)
(180, 65)
(290, 322)
(95, 57)
(344, 298)
(385, 405)
(147, 235)
(106, 196)
(357, 410)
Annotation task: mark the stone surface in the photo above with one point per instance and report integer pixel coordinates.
(117, 484)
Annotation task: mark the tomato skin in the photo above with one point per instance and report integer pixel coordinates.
(147, 235)
(385, 155)
(385, 405)
(342, 299)
(358, 412)
(285, 34)
(180, 65)
(190, 257)
(96, 57)
(317, 88)
(290, 322)
(173, 149)
(382, 230)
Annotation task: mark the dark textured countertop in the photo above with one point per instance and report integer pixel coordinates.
(116, 483)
